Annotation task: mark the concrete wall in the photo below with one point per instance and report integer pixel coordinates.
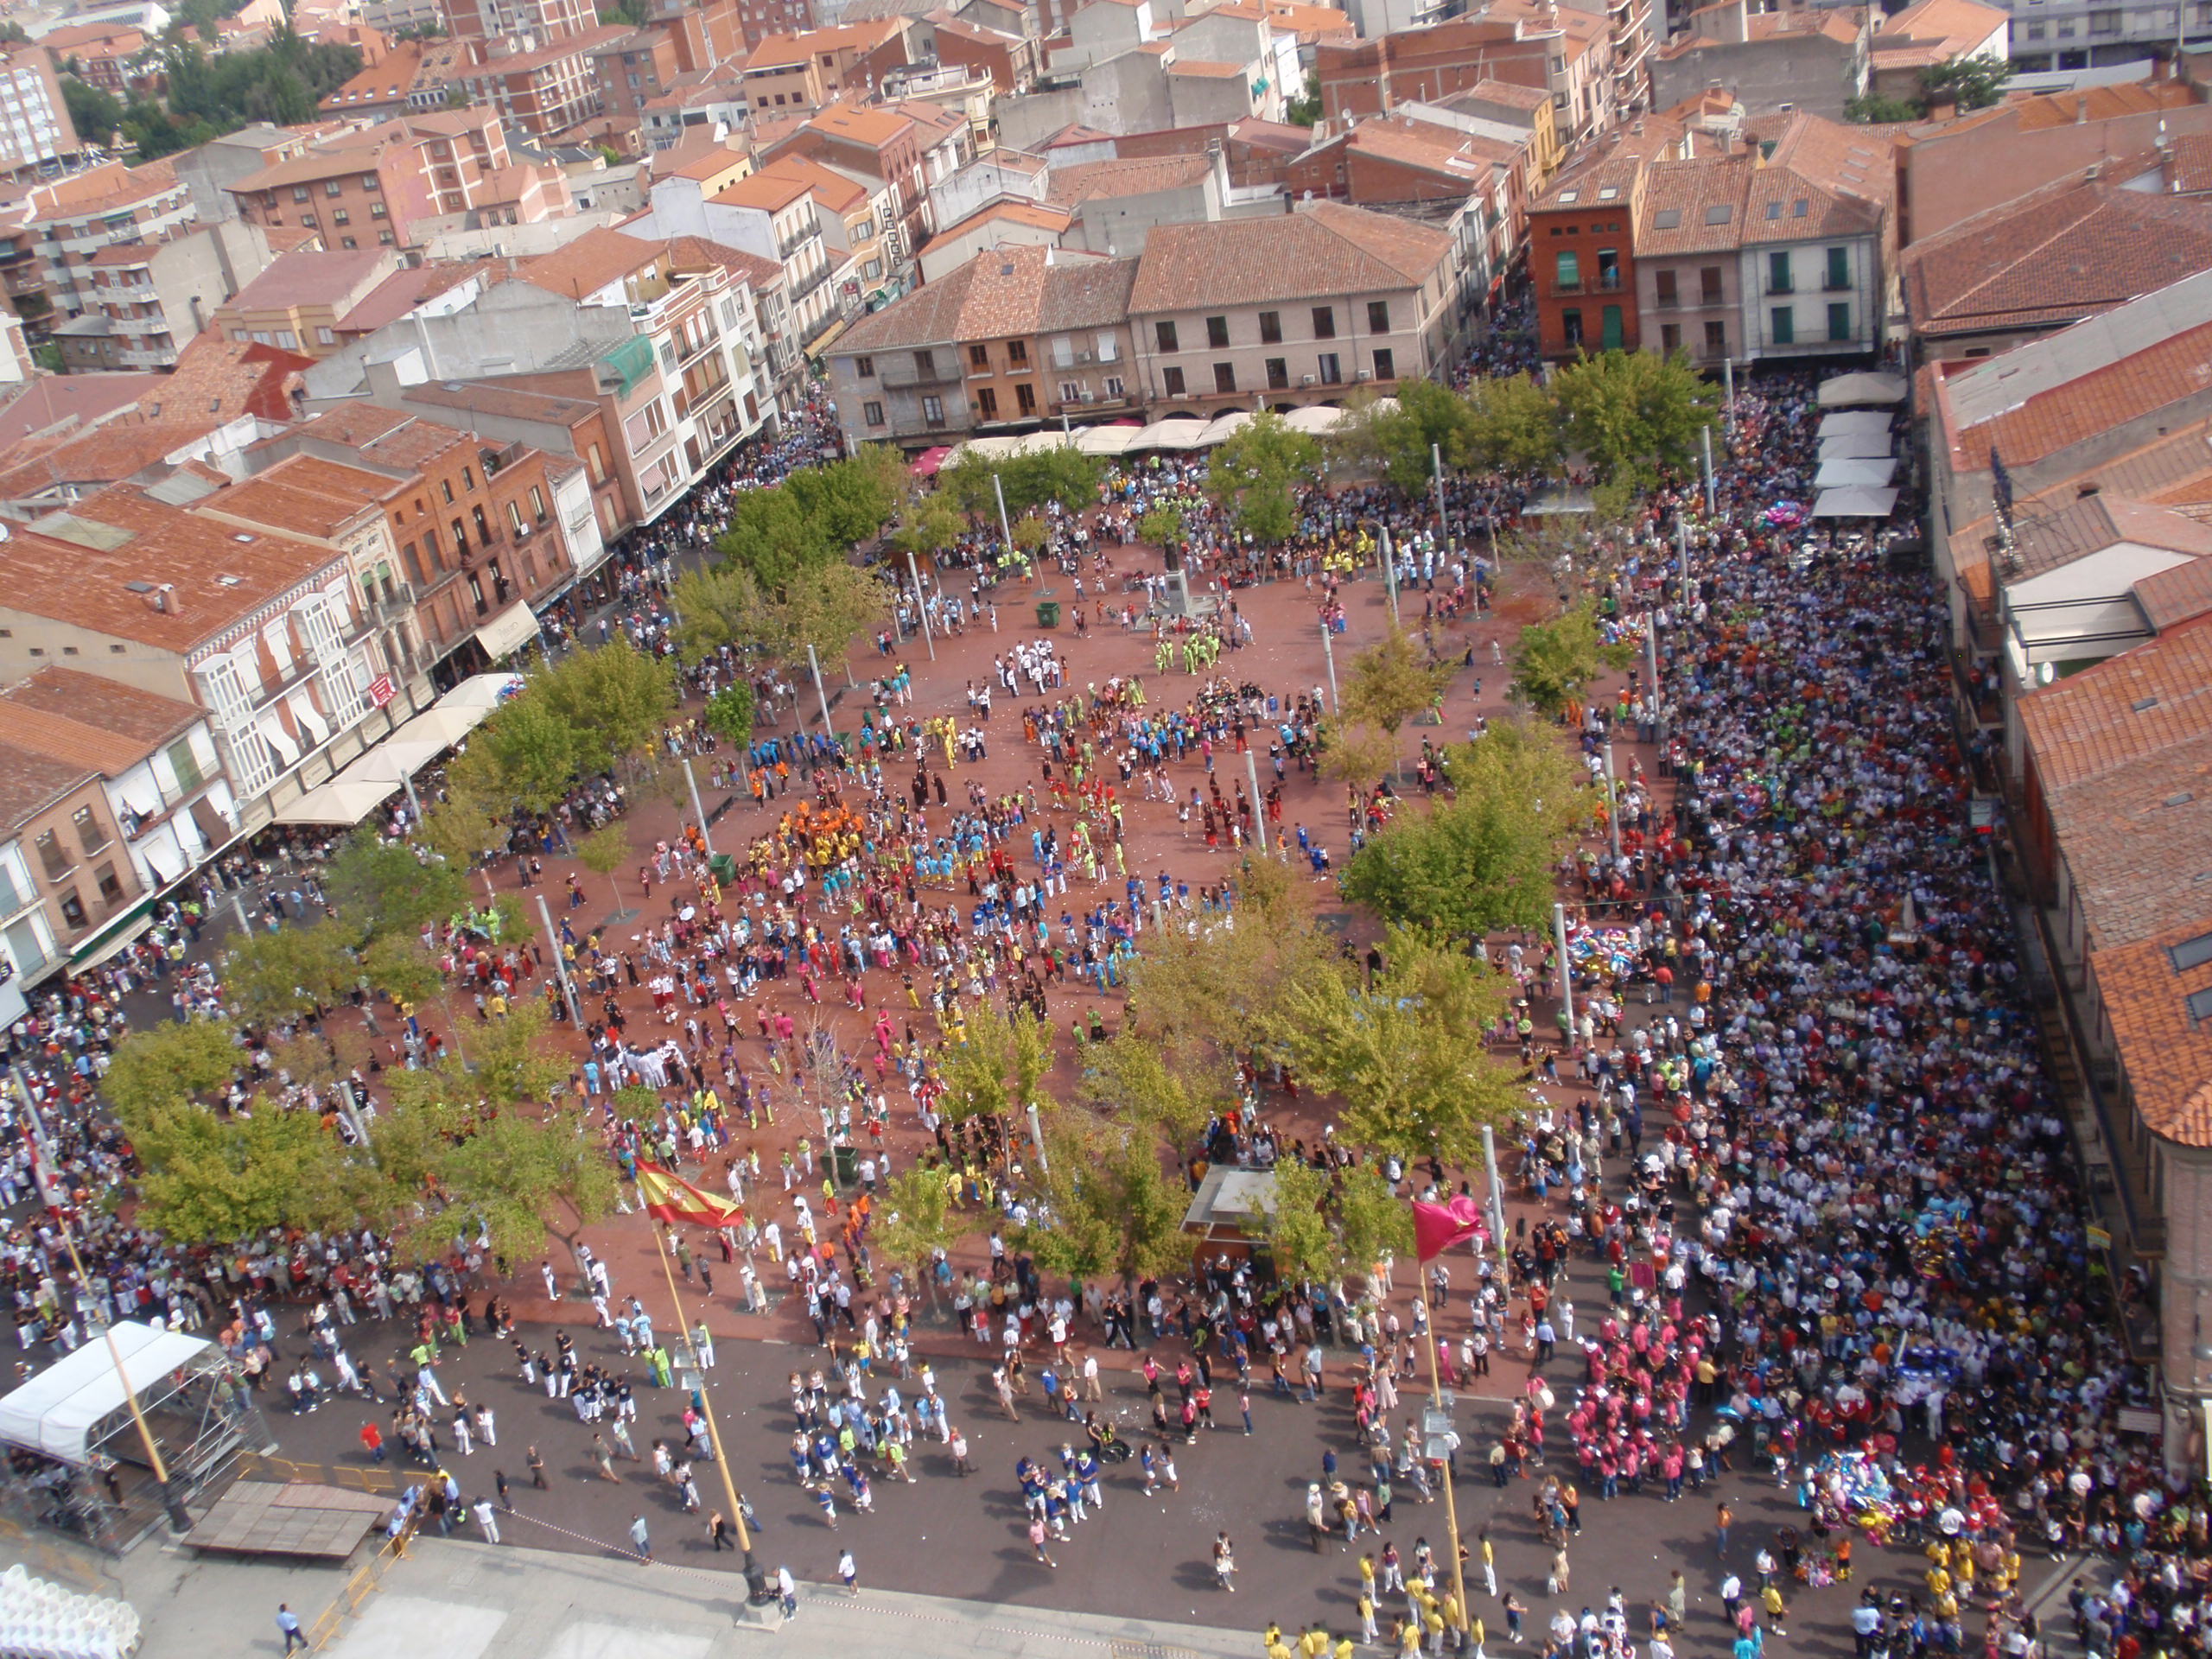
(1118, 224)
(1808, 70)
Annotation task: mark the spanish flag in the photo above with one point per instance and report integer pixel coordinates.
(669, 1197)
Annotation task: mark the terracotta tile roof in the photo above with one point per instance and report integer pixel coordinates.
(2093, 522)
(89, 721)
(595, 259)
(2102, 397)
(1614, 161)
(690, 253)
(103, 454)
(514, 403)
(2072, 248)
(73, 567)
(1707, 27)
(297, 279)
(2114, 715)
(2189, 162)
(31, 783)
(306, 495)
(1134, 175)
(1324, 248)
(1929, 31)
(770, 193)
(1042, 216)
(217, 380)
(1001, 293)
(2133, 839)
(2165, 1051)
(1206, 69)
(2092, 104)
(384, 437)
(1085, 294)
(68, 402)
(1693, 206)
(2171, 597)
(400, 292)
(872, 128)
(1404, 140)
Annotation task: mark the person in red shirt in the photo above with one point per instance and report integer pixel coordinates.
(373, 1442)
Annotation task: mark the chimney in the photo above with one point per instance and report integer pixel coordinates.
(163, 599)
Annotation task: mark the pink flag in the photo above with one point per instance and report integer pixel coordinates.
(1438, 1227)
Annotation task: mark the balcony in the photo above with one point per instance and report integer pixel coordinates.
(1832, 286)
(150, 357)
(892, 374)
(1783, 287)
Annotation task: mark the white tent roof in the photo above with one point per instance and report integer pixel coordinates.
(1315, 418)
(990, 448)
(481, 691)
(1847, 390)
(1227, 426)
(398, 757)
(1856, 446)
(60, 1411)
(1858, 502)
(340, 801)
(1857, 422)
(1843, 474)
(1185, 433)
(1108, 439)
(1033, 443)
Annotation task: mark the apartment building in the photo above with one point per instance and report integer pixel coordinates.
(100, 54)
(1812, 58)
(150, 301)
(35, 130)
(634, 69)
(64, 876)
(1015, 335)
(300, 302)
(1570, 56)
(408, 80)
(541, 91)
(904, 148)
(394, 185)
(264, 631)
(48, 270)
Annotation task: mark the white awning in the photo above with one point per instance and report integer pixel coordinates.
(508, 632)
(341, 801)
(992, 448)
(1854, 423)
(64, 1411)
(1315, 419)
(1854, 504)
(1108, 439)
(310, 717)
(398, 757)
(482, 691)
(1847, 390)
(1845, 474)
(1226, 427)
(286, 746)
(1856, 446)
(1182, 433)
(1036, 443)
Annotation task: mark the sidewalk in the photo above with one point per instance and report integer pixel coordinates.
(465, 1600)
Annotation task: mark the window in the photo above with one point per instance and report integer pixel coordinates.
(1325, 322)
(51, 855)
(287, 340)
(1570, 323)
(1839, 319)
(598, 465)
(468, 478)
(1163, 333)
(979, 356)
(1114, 389)
(1378, 316)
(1777, 273)
(347, 244)
(1671, 338)
(92, 834)
(1171, 382)
(1278, 373)
(864, 367)
(1609, 333)
(1708, 285)
(1386, 365)
(537, 503)
(1025, 398)
(986, 404)
(1271, 327)
(2104, 22)
(514, 518)
(1570, 272)
(371, 181)
(1217, 334)
(73, 908)
(1017, 352)
(1070, 391)
(1225, 377)
(447, 485)
(300, 193)
(1330, 368)
(1609, 269)
(933, 411)
(186, 766)
(1784, 325)
(872, 413)
(384, 239)
(333, 187)
(340, 216)
(325, 335)
(111, 883)
(1664, 286)
(1838, 267)
(1716, 340)
(924, 365)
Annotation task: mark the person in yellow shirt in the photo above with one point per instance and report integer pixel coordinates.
(1770, 1598)
(1314, 1643)
(1367, 1631)
(1344, 1648)
(1939, 1581)
(1434, 1620)
(1276, 1649)
(1475, 1634)
(1409, 1639)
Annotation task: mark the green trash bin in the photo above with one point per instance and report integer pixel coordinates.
(841, 1165)
(1048, 613)
(724, 867)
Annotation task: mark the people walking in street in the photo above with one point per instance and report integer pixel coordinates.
(641, 1539)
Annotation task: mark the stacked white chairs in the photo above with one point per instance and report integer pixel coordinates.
(40, 1620)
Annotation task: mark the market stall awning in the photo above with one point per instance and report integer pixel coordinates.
(1858, 503)
(925, 465)
(508, 632)
(1037, 443)
(485, 691)
(1852, 390)
(339, 801)
(992, 448)
(1845, 474)
(1183, 432)
(1854, 423)
(1115, 440)
(1314, 419)
(1854, 446)
(1225, 426)
(61, 1412)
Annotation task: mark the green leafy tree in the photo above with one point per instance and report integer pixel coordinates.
(1372, 1220)
(1391, 683)
(915, 1220)
(1134, 1077)
(1512, 426)
(274, 977)
(1427, 414)
(1877, 109)
(1030, 534)
(517, 1061)
(1255, 474)
(1556, 661)
(209, 1178)
(379, 888)
(524, 1182)
(931, 525)
(1002, 1067)
(1634, 412)
(163, 1064)
(729, 715)
(830, 607)
(771, 539)
(1971, 81)
(603, 852)
(616, 699)
(1355, 754)
(1109, 1209)
(1305, 1248)
(719, 606)
(462, 829)
(1163, 526)
(97, 115)
(1483, 860)
(1405, 1054)
(1306, 109)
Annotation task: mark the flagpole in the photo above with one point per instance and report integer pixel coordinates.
(1451, 1504)
(753, 1583)
(42, 1149)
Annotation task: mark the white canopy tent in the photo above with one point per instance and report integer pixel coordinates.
(485, 691)
(1854, 503)
(1850, 391)
(1314, 419)
(1866, 445)
(362, 787)
(1848, 475)
(1226, 427)
(1854, 423)
(1036, 443)
(989, 448)
(341, 801)
(66, 1411)
(1182, 433)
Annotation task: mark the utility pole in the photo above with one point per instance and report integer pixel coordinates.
(1566, 975)
(1390, 573)
(921, 604)
(1259, 807)
(1329, 656)
(1704, 434)
(1612, 806)
(1443, 519)
(1005, 529)
(559, 965)
(697, 811)
(814, 666)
